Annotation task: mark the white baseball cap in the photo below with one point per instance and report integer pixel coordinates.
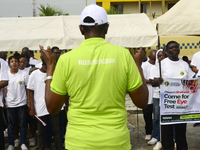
(95, 12)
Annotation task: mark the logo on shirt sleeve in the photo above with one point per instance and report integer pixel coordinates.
(20, 82)
(182, 73)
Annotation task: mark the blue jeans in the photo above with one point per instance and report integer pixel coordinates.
(156, 120)
(18, 116)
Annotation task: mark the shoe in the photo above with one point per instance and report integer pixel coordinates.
(152, 141)
(158, 146)
(10, 147)
(175, 146)
(32, 142)
(23, 147)
(5, 134)
(148, 137)
(16, 143)
(196, 125)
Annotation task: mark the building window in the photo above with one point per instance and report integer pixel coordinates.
(170, 5)
(143, 8)
(119, 8)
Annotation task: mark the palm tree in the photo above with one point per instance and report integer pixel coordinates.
(50, 11)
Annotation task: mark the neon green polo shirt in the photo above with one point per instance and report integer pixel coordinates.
(96, 75)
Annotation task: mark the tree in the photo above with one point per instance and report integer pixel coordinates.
(50, 11)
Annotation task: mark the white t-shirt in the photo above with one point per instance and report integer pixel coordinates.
(37, 84)
(16, 91)
(3, 76)
(153, 73)
(146, 66)
(27, 69)
(196, 60)
(175, 69)
(39, 65)
(33, 61)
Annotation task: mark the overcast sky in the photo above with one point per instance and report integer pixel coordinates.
(24, 8)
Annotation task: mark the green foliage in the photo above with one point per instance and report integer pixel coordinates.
(50, 11)
(112, 11)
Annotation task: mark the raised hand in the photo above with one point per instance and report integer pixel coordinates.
(48, 57)
(139, 56)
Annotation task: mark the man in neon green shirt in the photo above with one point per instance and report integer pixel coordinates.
(96, 76)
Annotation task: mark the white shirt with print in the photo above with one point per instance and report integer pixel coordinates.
(16, 91)
(175, 69)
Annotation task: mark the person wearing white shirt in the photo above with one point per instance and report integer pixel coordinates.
(195, 63)
(3, 83)
(22, 63)
(16, 102)
(173, 67)
(156, 102)
(147, 112)
(31, 121)
(36, 86)
(33, 61)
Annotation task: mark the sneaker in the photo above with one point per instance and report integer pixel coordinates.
(196, 125)
(175, 146)
(148, 137)
(5, 134)
(10, 147)
(158, 146)
(16, 143)
(23, 147)
(32, 142)
(152, 141)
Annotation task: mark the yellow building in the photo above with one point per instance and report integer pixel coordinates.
(153, 8)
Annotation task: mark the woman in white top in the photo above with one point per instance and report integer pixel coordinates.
(16, 101)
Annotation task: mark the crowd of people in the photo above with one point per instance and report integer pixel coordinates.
(95, 77)
(24, 101)
(165, 63)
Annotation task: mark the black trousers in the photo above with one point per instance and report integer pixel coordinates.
(2, 142)
(55, 126)
(180, 133)
(147, 114)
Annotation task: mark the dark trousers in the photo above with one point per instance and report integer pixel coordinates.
(180, 134)
(147, 114)
(2, 143)
(53, 121)
(18, 116)
(48, 131)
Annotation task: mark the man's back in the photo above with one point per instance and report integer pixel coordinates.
(98, 76)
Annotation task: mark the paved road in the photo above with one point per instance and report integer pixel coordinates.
(135, 124)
